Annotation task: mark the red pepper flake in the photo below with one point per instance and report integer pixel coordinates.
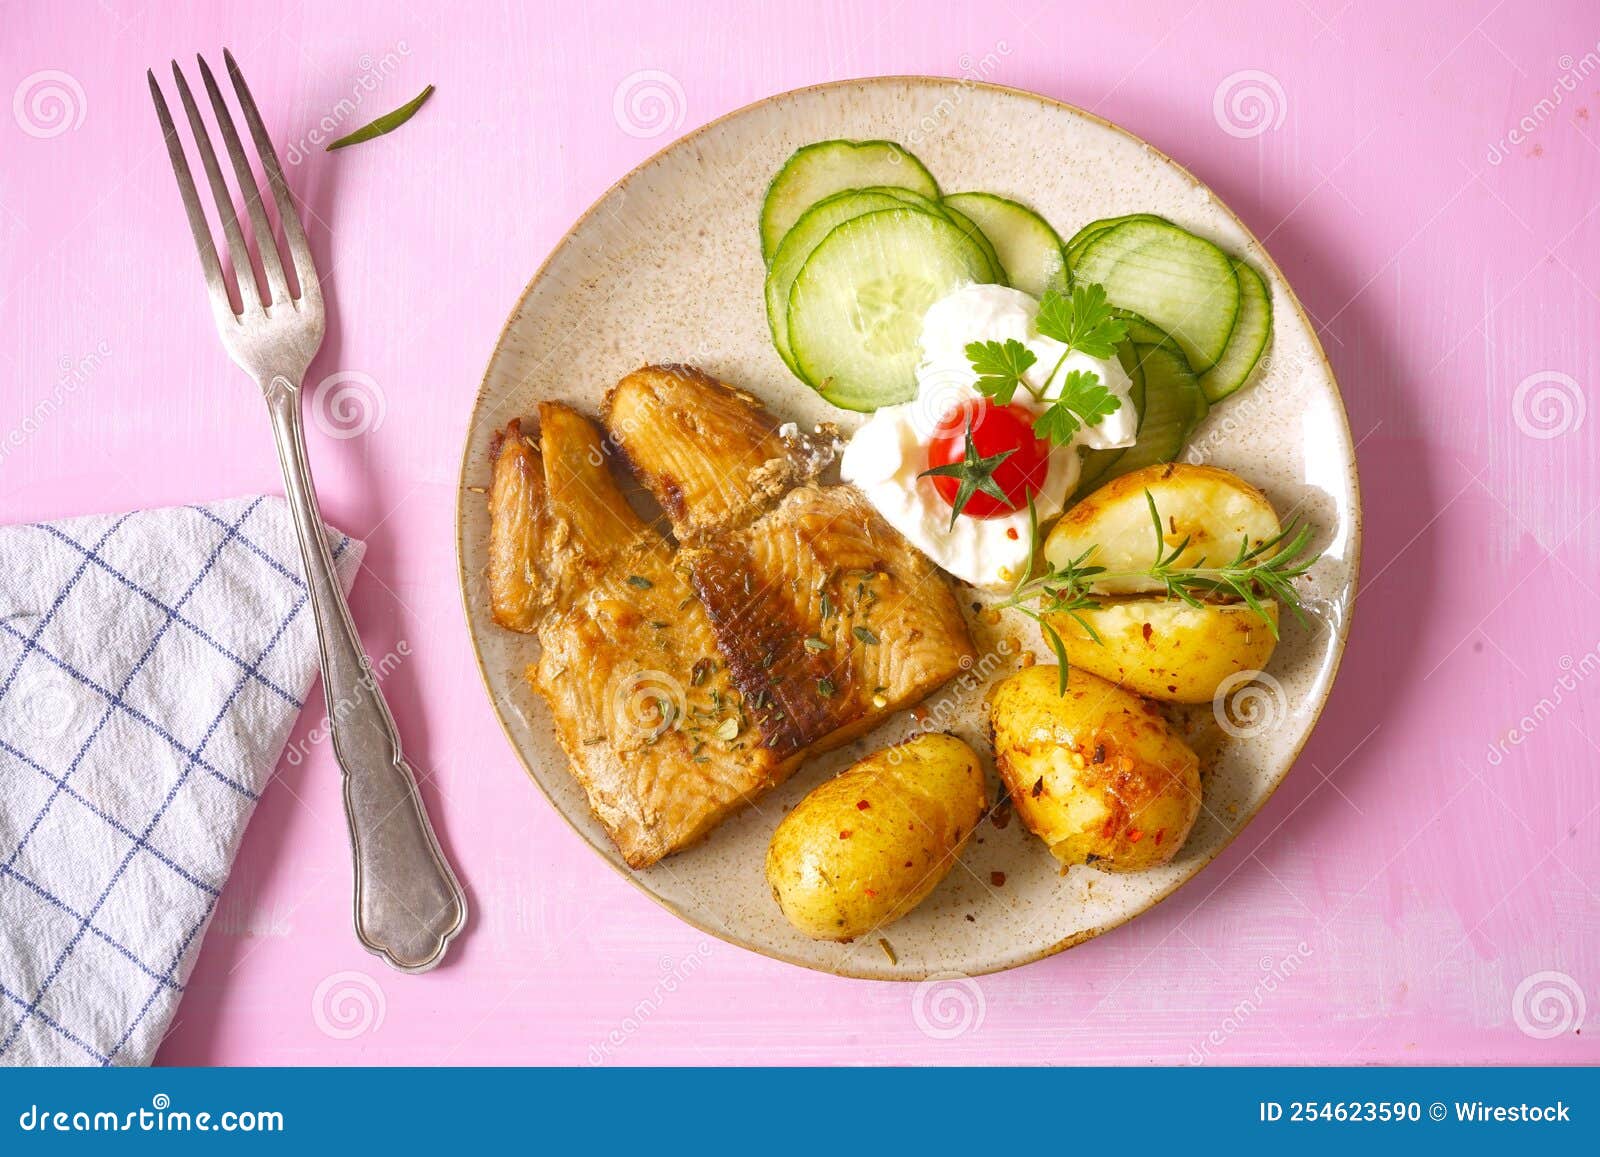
(1038, 788)
(1135, 835)
(1161, 835)
(869, 891)
(1147, 632)
(1011, 533)
(862, 805)
(908, 863)
(998, 879)
(846, 834)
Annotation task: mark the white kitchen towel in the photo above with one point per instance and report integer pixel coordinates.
(151, 667)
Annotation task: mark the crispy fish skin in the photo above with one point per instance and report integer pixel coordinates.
(518, 591)
(710, 454)
(829, 620)
(643, 706)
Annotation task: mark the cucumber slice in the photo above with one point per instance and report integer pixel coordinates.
(1182, 283)
(1173, 407)
(1093, 229)
(1249, 340)
(1140, 331)
(1030, 252)
(856, 308)
(827, 167)
(1098, 463)
(808, 232)
(979, 238)
(929, 205)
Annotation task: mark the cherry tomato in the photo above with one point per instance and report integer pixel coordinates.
(995, 429)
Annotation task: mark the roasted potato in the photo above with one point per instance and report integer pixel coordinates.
(1095, 773)
(1215, 509)
(869, 845)
(1165, 648)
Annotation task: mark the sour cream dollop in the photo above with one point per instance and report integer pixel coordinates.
(886, 455)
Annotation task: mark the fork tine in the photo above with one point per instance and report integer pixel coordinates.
(191, 200)
(305, 269)
(244, 276)
(278, 287)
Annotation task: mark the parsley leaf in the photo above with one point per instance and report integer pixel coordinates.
(999, 367)
(1058, 424)
(1084, 321)
(975, 473)
(1084, 395)
(1084, 401)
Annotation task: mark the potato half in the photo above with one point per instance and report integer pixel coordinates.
(868, 846)
(1215, 509)
(1166, 648)
(1095, 773)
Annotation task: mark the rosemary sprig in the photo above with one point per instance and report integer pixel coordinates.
(1269, 568)
(387, 123)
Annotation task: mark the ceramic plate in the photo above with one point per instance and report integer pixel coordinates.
(666, 267)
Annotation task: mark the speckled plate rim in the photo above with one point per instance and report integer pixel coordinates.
(1341, 633)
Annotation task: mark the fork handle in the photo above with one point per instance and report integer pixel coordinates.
(408, 904)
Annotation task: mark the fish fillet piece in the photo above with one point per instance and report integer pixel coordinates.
(711, 455)
(828, 619)
(643, 704)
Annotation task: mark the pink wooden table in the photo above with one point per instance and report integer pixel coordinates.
(1424, 887)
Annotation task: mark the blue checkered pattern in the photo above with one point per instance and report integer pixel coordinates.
(151, 667)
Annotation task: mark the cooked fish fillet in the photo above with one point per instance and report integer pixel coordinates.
(829, 620)
(643, 705)
(683, 684)
(711, 455)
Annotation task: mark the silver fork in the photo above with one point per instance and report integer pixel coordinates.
(408, 904)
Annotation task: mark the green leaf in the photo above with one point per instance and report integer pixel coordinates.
(1083, 393)
(387, 123)
(1084, 321)
(1058, 424)
(999, 367)
(1060, 648)
(1083, 401)
(976, 475)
